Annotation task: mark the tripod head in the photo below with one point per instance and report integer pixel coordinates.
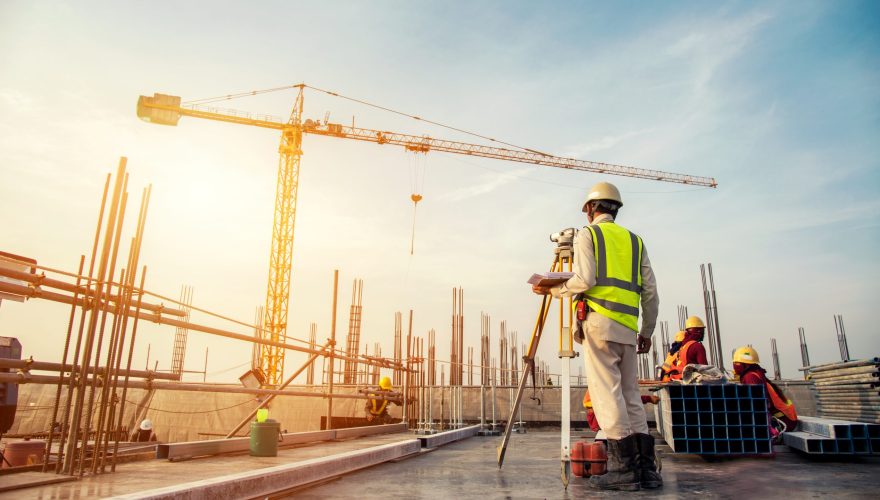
(564, 240)
(565, 237)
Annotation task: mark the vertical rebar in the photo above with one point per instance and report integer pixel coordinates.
(140, 293)
(805, 355)
(776, 373)
(55, 407)
(97, 300)
(332, 349)
(841, 337)
(715, 319)
(407, 397)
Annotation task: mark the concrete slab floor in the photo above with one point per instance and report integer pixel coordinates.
(468, 469)
(140, 476)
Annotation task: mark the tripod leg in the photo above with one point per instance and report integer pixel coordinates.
(527, 369)
(565, 422)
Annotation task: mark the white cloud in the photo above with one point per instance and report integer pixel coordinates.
(487, 184)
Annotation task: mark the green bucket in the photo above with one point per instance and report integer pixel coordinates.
(264, 438)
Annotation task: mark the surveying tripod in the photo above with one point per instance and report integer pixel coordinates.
(562, 261)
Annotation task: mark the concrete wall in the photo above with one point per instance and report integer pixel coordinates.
(801, 393)
(188, 416)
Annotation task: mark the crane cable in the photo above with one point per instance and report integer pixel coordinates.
(226, 97)
(419, 118)
(417, 185)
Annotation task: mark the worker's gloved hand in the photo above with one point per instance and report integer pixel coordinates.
(644, 345)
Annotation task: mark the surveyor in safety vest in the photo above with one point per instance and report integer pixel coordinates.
(613, 276)
(783, 416)
(377, 405)
(671, 358)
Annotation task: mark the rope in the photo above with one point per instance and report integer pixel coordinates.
(249, 401)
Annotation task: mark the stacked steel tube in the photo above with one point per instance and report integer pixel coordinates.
(848, 390)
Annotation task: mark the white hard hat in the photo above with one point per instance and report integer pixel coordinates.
(603, 191)
(146, 424)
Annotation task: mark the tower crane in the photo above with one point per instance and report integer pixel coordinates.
(166, 109)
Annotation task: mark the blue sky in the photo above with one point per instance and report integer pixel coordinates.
(778, 101)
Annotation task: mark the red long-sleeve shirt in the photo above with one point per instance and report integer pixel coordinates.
(696, 354)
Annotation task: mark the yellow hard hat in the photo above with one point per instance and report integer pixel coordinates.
(694, 322)
(746, 355)
(679, 336)
(603, 191)
(385, 383)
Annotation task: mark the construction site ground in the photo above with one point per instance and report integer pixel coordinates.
(465, 469)
(468, 469)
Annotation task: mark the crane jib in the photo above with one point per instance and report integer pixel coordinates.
(413, 143)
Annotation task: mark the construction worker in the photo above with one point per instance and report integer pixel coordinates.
(377, 407)
(612, 276)
(671, 358)
(749, 372)
(691, 350)
(145, 432)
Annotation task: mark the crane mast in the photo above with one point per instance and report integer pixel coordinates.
(281, 253)
(165, 109)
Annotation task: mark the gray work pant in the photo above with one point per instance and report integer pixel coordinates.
(613, 380)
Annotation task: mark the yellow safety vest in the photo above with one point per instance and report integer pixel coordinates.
(377, 406)
(618, 274)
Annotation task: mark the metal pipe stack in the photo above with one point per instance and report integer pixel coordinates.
(848, 390)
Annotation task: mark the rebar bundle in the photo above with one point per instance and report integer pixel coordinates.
(502, 351)
(398, 348)
(841, 337)
(432, 358)
(354, 332)
(456, 353)
(485, 329)
(180, 334)
(713, 330)
(310, 371)
(805, 354)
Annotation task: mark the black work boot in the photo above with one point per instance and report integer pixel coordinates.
(622, 471)
(646, 462)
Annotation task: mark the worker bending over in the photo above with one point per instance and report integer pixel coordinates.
(145, 432)
(612, 277)
(377, 407)
(783, 416)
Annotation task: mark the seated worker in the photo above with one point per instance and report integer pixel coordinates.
(144, 433)
(377, 408)
(749, 372)
(591, 415)
(671, 357)
(692, 350)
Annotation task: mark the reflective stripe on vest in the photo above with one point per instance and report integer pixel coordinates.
(782, 405)
(380, 409)
(680, 361)
(668, 365)
(618, 274)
